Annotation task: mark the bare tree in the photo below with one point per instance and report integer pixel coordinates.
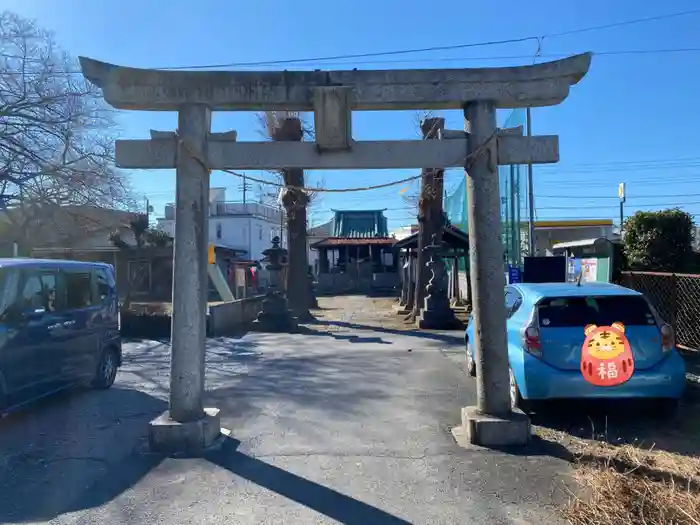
(276, 125)
(268, 122)
(56, 140)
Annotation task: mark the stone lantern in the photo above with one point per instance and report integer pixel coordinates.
(436, 313)
(275, 315)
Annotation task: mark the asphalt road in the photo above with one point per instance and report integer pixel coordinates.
(341, 425)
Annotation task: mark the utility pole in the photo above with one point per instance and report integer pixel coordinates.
(244, 187)
(621, 195)
(280, 208)
(530, 198)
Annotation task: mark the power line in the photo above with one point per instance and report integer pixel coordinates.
(615, 206)
(408, 61)
(628, 162)
(665, 181)
(535, 38)
(624, 23)
(629, 198)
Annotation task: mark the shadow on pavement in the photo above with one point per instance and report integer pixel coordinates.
(305, 330)
(337, 506)
(53, 500)
(447, 338)
(55, 449)
(336, 383)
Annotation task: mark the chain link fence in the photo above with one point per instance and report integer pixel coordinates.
(676, 296)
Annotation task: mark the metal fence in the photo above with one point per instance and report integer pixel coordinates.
(676, 296)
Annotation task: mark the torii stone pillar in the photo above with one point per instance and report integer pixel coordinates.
(187, 426)
(333, 96)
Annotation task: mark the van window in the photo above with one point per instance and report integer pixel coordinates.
(602, 311)
(105, 283)
(9, 283)
(38, 291)
(78, 290)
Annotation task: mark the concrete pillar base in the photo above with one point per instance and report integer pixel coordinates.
(275, 316)
(441, 318)
(492, 431)
(272, 323)
(437, 314)
(429, 320)
(166, 436)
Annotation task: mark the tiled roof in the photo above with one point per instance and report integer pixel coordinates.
(451, 235)
(360, 224)
(354, 241)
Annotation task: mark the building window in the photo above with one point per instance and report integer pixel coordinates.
(260, 233)
(218, 230)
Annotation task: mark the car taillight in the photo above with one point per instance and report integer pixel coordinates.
(531, 340)
(668, 339)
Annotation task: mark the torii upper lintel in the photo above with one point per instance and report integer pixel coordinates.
(535, 85)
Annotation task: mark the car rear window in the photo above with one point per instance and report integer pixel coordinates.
(601, 311)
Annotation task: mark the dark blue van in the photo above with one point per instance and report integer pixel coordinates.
(59, 327)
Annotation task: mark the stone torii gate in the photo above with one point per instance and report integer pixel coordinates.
(332, 96)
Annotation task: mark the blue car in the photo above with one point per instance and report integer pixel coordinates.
(593, 340)
(59, 327)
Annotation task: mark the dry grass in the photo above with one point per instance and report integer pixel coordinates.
(627, 484)
(633, 486)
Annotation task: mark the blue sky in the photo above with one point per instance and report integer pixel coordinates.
(632, 119)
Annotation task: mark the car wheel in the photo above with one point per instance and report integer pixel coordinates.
(516, 398)
(106, 371)
(471, 364)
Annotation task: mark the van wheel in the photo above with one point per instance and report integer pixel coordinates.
(106, 371)
(471, 364)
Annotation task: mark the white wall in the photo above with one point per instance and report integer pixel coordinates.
(244, 233)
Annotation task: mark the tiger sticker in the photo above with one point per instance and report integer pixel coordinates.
(606, 355)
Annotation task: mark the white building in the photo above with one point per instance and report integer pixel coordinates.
(246, 226)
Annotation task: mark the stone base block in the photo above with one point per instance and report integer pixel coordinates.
(166, 436)
(492, 431)
(275, 324)
(438, 320)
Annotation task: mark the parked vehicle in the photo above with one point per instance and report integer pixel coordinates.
(59, 327)
(593, 340)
